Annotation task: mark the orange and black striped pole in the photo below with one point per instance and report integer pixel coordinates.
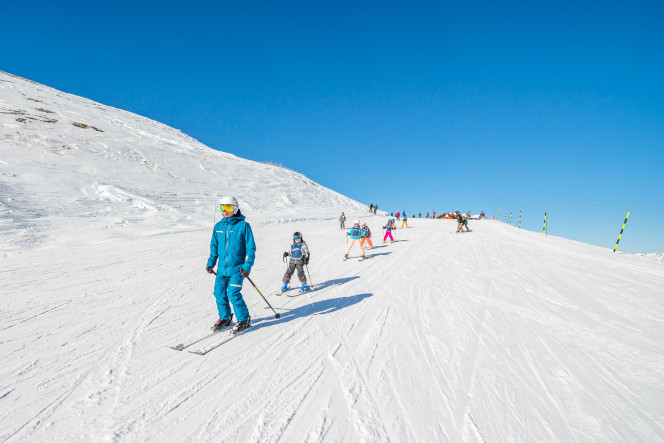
(621, 231)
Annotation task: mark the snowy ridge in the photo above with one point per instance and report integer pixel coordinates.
(106, 169)
(497, 334)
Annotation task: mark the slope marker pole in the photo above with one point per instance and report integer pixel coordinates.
(621, 231)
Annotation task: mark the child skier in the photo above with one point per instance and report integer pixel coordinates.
(366, 235)
(388, 230)
(355, 235)
(404, 220)
(299, 256)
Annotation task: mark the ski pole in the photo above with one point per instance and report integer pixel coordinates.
(307, 266)
(276, 314)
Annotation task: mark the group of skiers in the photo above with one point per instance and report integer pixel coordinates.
(373, 208)
(233, 246)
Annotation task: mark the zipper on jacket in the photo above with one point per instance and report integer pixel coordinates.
(227, 229)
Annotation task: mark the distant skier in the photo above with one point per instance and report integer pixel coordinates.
(427, 215)
(342, 221)
(389, 226)
(299, 256)
(233, 242)
(355, 234)
(366, 235)
(461, 222)
(375, 208)
(398, 215)
(482, 215)
(419, 215)
(371, 207)
(404, 220)
(434, 214)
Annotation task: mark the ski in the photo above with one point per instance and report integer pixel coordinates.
(183, 346)
(281, 291)
(298, 293)
(207, 349)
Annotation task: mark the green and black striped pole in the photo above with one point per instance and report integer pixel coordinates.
(519, 218)
(498, 214)
(510, 218)
(621, 231)
(544, 227)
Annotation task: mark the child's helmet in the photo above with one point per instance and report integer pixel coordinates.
(297, 235)
(364, 223)
(356, 222)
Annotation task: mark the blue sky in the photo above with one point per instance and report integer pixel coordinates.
(423, 106)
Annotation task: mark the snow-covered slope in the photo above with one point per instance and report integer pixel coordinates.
(107, 170)
(497, 334)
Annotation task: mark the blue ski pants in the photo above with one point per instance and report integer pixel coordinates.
(228, 288)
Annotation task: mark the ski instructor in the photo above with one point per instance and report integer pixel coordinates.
(233, 243)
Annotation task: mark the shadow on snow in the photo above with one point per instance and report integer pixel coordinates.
(320, 307)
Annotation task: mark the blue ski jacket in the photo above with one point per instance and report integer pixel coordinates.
(299, 250)
(355, 232)
(233, 244)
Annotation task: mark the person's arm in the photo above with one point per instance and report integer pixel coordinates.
(212, 260)
(250, 247)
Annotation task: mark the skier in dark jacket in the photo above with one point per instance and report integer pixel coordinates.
(461, 222)
(233, 244)
(299, 256)
(342, 221)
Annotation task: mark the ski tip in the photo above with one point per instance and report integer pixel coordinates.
(199, 352)
(179, 347)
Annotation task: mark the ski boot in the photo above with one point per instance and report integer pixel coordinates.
(362, 257)
(241, 326)
(284, 286)
(304, 287)
(345, 257)
(221, 324)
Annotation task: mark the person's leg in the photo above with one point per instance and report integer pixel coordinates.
(350, 245)
(369, 242)
(289, 272)
(235, 296)
(300, 273)
(221, 296)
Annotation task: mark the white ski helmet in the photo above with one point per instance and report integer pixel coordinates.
(229, 200)
(356, 222)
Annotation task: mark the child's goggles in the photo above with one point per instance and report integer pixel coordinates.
(226, 208)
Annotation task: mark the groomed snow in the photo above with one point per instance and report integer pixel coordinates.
(497, 334)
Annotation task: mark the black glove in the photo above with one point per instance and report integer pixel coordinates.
(244, 273)
(285, 254)
(306, 260)
(210, 269)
